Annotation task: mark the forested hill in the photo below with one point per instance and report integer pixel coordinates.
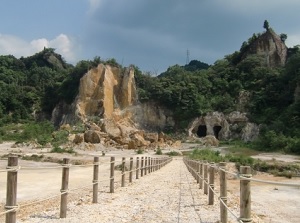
(31, 87)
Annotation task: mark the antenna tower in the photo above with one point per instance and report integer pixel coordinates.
(187, 57)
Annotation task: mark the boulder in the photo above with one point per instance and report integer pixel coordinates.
(152, 137)
(92, 136)
(78, 138)
(210, 140)
(110, 127)
(131, 145)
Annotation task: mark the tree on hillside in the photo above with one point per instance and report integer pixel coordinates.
(283, 37)
(266, 25)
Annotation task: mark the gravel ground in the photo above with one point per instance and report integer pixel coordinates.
(167, 195)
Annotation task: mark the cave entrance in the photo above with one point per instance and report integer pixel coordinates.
(201, 132)
(217, 129)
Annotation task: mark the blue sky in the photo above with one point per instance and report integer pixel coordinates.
(152, 34)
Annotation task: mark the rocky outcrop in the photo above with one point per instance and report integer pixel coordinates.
(104, 89)
(107, 105)
(223, 127)
(270, 47)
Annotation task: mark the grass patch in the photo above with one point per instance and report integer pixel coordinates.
(239, 148)
(272, 167)
(158, 151)
(173, 153)
(33, 157)
(58, 149)
(139, 151)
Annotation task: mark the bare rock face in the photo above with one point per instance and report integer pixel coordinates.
(151, 116)
(250, 132)
(104, 89)
(232, 126)
(271, 48)
(107, 105)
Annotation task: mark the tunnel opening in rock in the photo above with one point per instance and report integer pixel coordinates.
(217, 129)
(202, 129)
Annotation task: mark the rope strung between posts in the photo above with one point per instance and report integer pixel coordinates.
(238, 176)
(17, 168)
(209, 186)
(190, 189)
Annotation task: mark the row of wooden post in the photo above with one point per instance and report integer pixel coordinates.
(204, 173)
(148, 165)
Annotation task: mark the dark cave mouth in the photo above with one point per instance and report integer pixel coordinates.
(202, 131)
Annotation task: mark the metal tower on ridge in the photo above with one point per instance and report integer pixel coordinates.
(187, 57)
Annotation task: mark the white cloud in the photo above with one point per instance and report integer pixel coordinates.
(18, 47)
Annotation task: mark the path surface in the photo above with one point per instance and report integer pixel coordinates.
(167, 195)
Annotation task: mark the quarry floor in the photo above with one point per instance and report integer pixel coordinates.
(167, 195)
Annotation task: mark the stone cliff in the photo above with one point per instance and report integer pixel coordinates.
(107, 103)
(104, 89)
(270, 47)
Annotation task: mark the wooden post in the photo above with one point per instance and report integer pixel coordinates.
(149, 164)
(112, 174)
(198, 171)
(201, 175)
(211, 184)
(123, 172)
(11, 189)
(245, 194)
(131, 169)
(223, 193)
(142, 166)
(146, 165)
(64, 188)
(137, 168)
(205, 177)
(95, 179)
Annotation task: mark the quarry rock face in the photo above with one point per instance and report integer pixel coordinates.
(152, 116)
(107, 104)
(235, 125)
(104, 89)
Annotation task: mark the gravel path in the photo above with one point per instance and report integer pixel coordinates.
(167, 195)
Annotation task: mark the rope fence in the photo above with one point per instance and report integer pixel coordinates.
(146, 166)
(204, 174)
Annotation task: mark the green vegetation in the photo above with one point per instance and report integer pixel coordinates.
(31, 87)
(158, 151)
(57, 149)
(273, 167)
(28, 132)
(139, 151)
(173, 153)
(33, 157)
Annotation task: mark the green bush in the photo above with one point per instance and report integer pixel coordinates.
(140, 151)
(206, 154)
(173, 153)
(158, 151)
(58, 149)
